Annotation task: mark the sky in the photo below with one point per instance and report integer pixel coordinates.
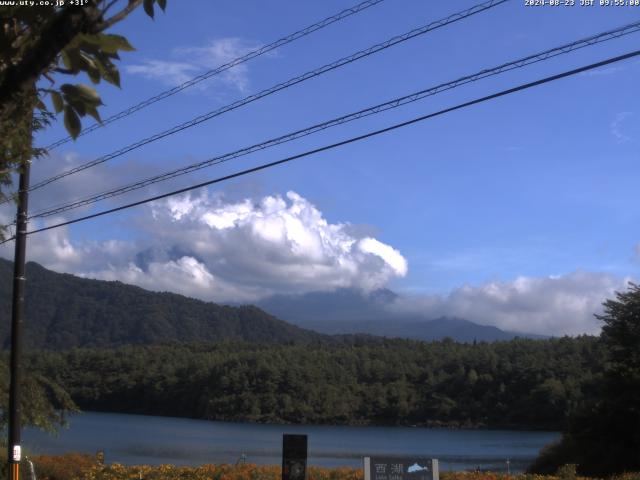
(520, 212)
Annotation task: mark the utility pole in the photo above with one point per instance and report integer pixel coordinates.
(17, 316)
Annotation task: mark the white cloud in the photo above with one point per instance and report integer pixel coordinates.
(205, 247)
(218, 250)
(553, 305)
(192, 61)
(616, 127)
(388, 254)
(172, 73)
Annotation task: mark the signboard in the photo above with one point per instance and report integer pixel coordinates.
(294, 457)
(400, 468)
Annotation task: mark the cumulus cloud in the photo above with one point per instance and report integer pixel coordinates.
(205, 247)
(240, 251)
(553, 305)
(188, 62)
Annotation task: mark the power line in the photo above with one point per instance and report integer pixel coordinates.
(281, 86)
(395, 103)
(345, 142)
(222, 68)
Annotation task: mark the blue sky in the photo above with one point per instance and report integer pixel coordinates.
(521, 212)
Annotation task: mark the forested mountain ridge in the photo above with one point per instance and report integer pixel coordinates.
(64, 311)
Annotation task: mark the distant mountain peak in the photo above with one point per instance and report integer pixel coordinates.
(65, 311)
(350, 311)
(383, 295)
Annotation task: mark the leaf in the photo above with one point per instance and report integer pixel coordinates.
(81, 98)
(79, 107)
(112, 43)
(68, 89)
(148, 7)
(88, 61)
(66, 60)
(162, 4)
(72, 59)
(72, 122)
(112, 75)
(90, 47)
(116, 77)
(56, 99)
(88, 94)
(93, 112)
(108, 70)
(94, 74)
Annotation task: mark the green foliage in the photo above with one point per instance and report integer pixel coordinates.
(46, 42)
(94, 56)
(621, 332)
(64, 311)
(603, 435)
(368, 381)
(148, 6)
(276, 372)
(43, 402)
(36, 42)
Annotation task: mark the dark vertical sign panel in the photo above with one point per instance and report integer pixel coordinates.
(294, 457)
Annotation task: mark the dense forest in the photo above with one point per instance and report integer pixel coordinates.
(516, 384)
(107, 346)
(65, 311)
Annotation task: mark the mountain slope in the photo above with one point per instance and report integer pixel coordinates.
(350, 311)
(64, 311)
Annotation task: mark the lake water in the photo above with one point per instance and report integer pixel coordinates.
(139, 439)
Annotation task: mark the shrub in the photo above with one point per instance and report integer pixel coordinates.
(69, 466)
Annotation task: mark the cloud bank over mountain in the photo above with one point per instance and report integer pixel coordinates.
(204, 246)
(554, 305)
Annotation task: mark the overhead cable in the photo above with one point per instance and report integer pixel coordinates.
(396, 126)
(223, 68)
(391, 104)
(276, 88)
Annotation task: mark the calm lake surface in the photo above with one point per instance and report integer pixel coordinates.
(139, 439)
